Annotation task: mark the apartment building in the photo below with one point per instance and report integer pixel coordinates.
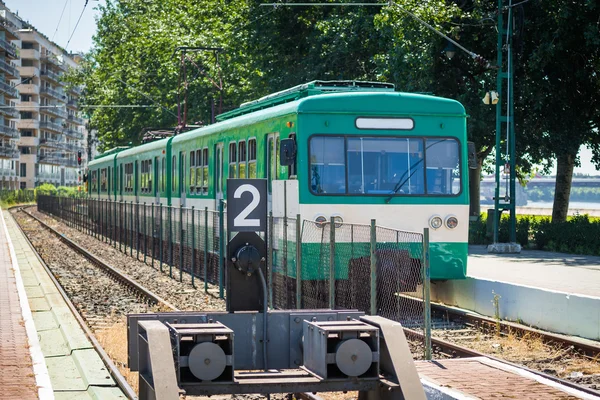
(41, 132)
(9, 96)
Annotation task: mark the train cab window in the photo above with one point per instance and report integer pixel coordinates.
(232, 160)
(327, 165)
(204, 171)
(103, 181)
(252, 158)
(242, 160)
(192, 172)
(443, 166)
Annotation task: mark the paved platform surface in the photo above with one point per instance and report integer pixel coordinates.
(17, 379)
(559, 272)
(482, 378)
(76, 371)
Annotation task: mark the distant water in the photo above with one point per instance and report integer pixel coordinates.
(573, 205)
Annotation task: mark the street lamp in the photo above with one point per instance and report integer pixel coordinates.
(450, 50)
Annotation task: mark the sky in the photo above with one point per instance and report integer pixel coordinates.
(46, 14)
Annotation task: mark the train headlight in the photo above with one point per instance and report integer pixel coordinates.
(338, 221)
(451, 222)
(321, 221)
(436, 222)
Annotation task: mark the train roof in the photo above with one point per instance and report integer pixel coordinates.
(379, 103)
(156, 145)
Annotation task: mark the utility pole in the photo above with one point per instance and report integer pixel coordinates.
(505, 127)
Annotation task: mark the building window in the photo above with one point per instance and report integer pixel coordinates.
(25, 149)
(26, 115)
(23, 170)
(26, 133)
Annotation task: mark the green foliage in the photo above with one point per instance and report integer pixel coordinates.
(66, 191)
(11, 197)
(46, 189)
(579, 234)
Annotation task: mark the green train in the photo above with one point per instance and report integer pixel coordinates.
(362, 151)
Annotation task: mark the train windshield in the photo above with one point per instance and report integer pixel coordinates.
(384, 166)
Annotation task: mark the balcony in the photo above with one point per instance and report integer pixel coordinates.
(53, 110)
(30, 54)
(28, 124)
(76, 120)
(51, 126)
(8, 111)
(74, 134)
(7, 131)
(75, 89)
(9, 48)
(72, 103)
(8, 172)
(12, 31)
(50, 75)
(52, 59)
(53, 143)
(56, 160)
(53, 93)
(10, 151)
(11, 71)
(9, 90)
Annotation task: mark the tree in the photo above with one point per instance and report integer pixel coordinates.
(557, 88)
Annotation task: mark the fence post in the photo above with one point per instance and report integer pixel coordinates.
(145, 234)
(284, 260)
(120, 221)
(373, 290)
(131, 229)
(193, 248)
(137, 230)
(298, 262)
(160, 238)
(221, 247)
(332, 263)
(426, 294)
(205, 261)
(270, 258)
(153, 226)
(181, 243)
(170, 241)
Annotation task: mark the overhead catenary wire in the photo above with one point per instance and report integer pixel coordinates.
(77, 24)
(146, 96)
(60, 19)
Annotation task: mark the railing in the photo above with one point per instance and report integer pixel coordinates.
(54, 93)
(51, 126)
(10, 132)
(309, 265)
(9, 111)
(72, 102)
(9, 26)
(50, 58)
(73, 133)
(76, 120)
(10, 48)
(9, 152)
(9, 89)
(9, 68)
(54, 110)
(58, 160)
(53, 143)
(52, 75)
(75, 89)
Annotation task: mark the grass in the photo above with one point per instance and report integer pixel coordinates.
(114, 341)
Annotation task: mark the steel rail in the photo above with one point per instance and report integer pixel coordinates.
(586, 347)
(111, 271)
(108, 362)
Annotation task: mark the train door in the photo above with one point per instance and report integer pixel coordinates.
(182, 180)
(272, 164)
(218, 174)
(156, 181)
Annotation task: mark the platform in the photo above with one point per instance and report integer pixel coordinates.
(552, 291)
(482, 378)
(73, 369)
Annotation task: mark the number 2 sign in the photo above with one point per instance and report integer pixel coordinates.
(246, 205)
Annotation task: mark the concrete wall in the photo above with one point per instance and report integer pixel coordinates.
(557, 312)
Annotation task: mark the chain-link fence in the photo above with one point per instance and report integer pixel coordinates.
(310, 264)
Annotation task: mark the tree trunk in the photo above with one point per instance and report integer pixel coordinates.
(475, 191)
(562, 189)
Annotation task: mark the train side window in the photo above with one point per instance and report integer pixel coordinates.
(192, 172)
(204, 170)
(129, 177)
(149, 176)
(242, 159)
(173, 168)
(163, 175)
(143, 177)
(103, 183)
(182, 172)
(232, 160)
(94, 181)
(252, 158)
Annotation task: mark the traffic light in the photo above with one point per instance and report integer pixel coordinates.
(79, 157)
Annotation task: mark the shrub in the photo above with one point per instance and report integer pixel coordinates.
(46, 189)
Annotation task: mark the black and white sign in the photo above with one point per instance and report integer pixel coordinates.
(246, 205)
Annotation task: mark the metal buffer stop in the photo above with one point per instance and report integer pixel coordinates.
(298, 350)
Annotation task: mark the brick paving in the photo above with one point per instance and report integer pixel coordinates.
(17, 380)
(483, 381)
